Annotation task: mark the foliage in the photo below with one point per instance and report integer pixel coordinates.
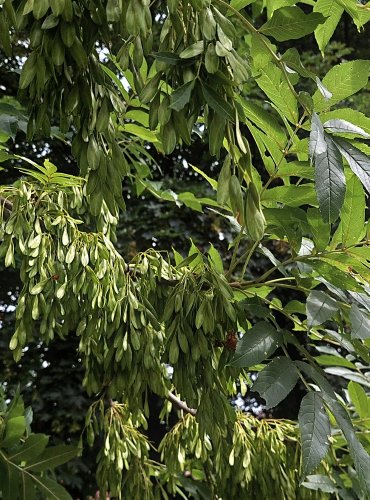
(25, 457)
(162, 322)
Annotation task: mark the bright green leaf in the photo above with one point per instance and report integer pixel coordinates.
(359, 398)
(353, 212)
(290, 23)
(343, 80)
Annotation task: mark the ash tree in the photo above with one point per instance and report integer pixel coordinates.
(115, 77)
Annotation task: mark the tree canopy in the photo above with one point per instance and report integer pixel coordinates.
(125, 84)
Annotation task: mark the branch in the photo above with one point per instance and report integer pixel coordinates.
(180, 404)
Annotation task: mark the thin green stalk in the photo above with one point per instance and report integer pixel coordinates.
(248, 258)
(235, 252)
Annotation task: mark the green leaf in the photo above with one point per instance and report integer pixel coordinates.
(215, 259)
(359, 399)
(357, 160)
(338, 371)
(240, 4)
(168, 58)
(320, 229)
(330, 181)
(317, 144)
(211, 181)
(320, 482)
(141, 132)
(193, 50)
(27, 489)
(331, 360)
(333, 12)
(218, 103)
(360, 321)
(272, 82)
(181, 96)
(188, 260)
(357, 451)
(31, 448)
(350, 115)
(320, 307)
(14, 429)
(292, 196)
(336, 276)
(256, 345)
(276, 381)
(10, 483)
(343, 80)
(257, 114)
(352, 214)
(291, 23)
(314, 426)
(223, 182)
(326, 94)
(339, 126)
(51, 489)
(116, 80)
(52, 457)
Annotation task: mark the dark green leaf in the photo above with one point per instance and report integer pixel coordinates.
(256, 345)
(276, 381)
(357, 160)
(314, 426)
(218, 103)
(330, 181)
(357, 451)
(360, 321)
(51, 489)
(317, 143)
(181, 96)
(320, 482)
(31, 448)
(320, 307)
(10, 483)
(52, 457)
(359, 455)
(168, 58)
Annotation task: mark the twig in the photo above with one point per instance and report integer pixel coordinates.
(180, 404)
